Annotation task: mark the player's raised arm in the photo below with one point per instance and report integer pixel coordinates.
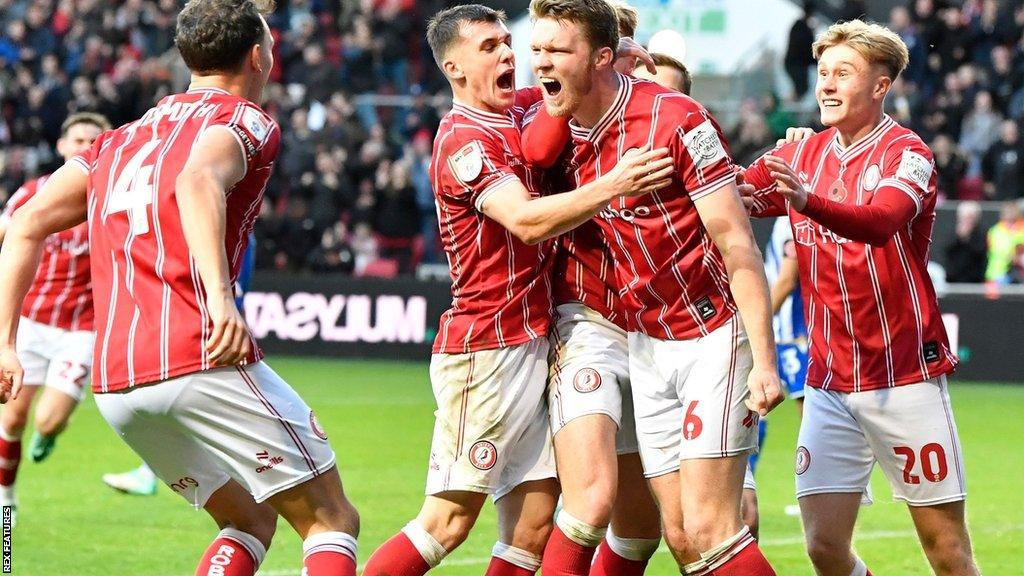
(534, 220)
(215, 164)
(60, 205)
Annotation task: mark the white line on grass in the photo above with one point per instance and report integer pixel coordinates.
(765, 542)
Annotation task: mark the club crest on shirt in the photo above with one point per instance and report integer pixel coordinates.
(915, 168)
(468, 161)
(586, 380)
(704, 145)
(483, 455)
(872, 176)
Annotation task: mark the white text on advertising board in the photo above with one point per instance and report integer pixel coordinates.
(303, 316)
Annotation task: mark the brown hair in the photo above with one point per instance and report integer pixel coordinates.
(629, 18)
(596, 18)
(663, 60)
(445, 27)
(98, 120)
(877, 44)
(217, 35)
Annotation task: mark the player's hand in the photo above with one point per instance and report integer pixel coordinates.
(746, 190)
(765, 390)
(630, 52)
(229, 343)
(788, 183)
(640, 171)
(11, 375)
(795, 135)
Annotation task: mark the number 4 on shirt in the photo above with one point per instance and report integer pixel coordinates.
(133, 191)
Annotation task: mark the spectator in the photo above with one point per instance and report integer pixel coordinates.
(799, 60)
(967, 254)
(980, 128)
(1005, 241)
(364, 246)
(751, 136)
(950, 165)
(1003, 165)
(397, 215)
(334, 253)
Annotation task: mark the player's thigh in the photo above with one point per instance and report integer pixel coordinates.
(828, 520)
(711, 491)
(14, 414)
(526, 514)
(716, 422)
(657, 410)
(913, 435)
(261, 430)
(70, 365)
(141, 418)
(635, 514)
(833, 455)
(491, 427)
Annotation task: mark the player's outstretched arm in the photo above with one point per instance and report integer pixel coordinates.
(875, 223)
(726, 221)
(214, 165)
(60, 205)
(534, 220)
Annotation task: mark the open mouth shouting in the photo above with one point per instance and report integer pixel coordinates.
(551, 86)
(507, 80)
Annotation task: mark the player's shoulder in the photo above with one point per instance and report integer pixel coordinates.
(901, 138)
(810, 146)
(458, 130)
(646, 92)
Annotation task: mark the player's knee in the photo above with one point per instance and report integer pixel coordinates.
(679, 541)
(824, 552)
(598, 500)
(949, 553)
(260, 522)
(49, 424)
(14, 418)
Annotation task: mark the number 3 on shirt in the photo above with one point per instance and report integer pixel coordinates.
(133, 191)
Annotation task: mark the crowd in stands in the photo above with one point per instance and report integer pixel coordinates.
(351, 193)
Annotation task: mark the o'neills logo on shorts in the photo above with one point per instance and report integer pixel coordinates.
(803, 460)
(267, 460)
(314, 424)
(483, 455)
(586, 380)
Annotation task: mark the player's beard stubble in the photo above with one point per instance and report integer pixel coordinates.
(576, 86)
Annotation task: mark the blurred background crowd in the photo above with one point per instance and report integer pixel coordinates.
(358, 98)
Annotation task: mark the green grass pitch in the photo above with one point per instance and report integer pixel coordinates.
(379, 418)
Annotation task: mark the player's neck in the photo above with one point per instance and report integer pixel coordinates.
(237, 85)
(602, 96)
(850, 135)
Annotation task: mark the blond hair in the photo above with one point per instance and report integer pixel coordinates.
(628, 17)
(877, 44)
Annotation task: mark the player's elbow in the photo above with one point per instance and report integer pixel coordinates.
(28, 223)
(529, 235)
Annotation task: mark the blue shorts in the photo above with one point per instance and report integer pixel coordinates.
(793, 367)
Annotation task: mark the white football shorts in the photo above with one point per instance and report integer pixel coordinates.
(491, 429)
(54, 357)
(909, 430)
(589, 372)
(689, 397)
(198, 430)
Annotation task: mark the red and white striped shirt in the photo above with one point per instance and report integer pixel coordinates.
(585, 272)
(674, 282)
(871, 311)
(152, 318)
(501, 287)
(60, 294)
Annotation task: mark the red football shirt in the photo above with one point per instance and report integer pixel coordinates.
(871, 311)
(672, 276)
(501, 287)
(60, 294)
(152, 318)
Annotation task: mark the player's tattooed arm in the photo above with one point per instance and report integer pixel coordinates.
(534, 220)
(60, 205)
(726, 221)
(215, 164)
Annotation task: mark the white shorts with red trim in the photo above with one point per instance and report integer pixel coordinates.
(198, 430)
(589, 372)
(688, 396)
(491, 429)
(54, 357)
(909, 430)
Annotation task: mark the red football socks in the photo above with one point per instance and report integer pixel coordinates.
(608, 563)
(565, 557)
(396, 557)
(226, 557)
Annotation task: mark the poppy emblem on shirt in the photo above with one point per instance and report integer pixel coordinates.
(872, 176)
(803, 460)
(586, 380)
(483, 455)
(837, 191)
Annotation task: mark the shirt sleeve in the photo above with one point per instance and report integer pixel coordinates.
(910, 167)
(700, 151)
(17, 200)
(474, 166)
(87, 160)
(767, 202)
(875, 223)
(257, 134)
(544, 137)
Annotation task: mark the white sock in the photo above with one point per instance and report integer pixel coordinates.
(578, 531)
(726, 550)
(860, 568)
(252, 544)
(516, 556)
(635, 549)
(430, 549)
(330, 542)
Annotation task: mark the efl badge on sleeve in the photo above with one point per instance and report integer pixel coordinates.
(255, 123)
(468, 162)
(837, 191)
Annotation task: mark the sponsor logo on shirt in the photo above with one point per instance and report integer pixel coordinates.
(807, 233)
(626, 214)
(915, 168)
(704, 145)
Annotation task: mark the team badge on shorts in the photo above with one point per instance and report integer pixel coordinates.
(483, 455)
(803, 460)
(315, 425)
(586, 380)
